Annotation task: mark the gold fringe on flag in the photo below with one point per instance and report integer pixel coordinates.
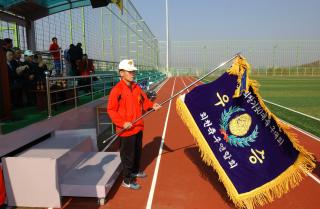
(266, 193)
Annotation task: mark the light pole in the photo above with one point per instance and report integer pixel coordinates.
(204, 59)
(273, 58)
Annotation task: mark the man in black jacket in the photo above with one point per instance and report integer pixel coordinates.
(73, 57)
(29, 76)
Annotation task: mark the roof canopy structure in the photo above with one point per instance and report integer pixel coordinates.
(36, 9)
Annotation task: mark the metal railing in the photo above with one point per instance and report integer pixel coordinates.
(71, 89)
(99, 65)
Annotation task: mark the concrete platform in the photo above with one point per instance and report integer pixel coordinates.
(66, 164)
(93, 176)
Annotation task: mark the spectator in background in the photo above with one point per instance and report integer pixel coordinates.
(15, 81)
(41, 68)
(85, 68)
(73, 57)
(55, 52)
(7, 44)
(30, 82)
(67, 61)
(79, 53)
(3, 106)
(21, 70)
(17, 55)
(16, 62)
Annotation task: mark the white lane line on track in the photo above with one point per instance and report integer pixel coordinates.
(184, 83)
(314, 177)
(192, 81)
(162, 85)
(156, 171)
(302, 131)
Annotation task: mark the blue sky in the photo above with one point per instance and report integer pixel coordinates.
(233, 20)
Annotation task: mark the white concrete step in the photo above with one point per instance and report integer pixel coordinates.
(66, 149)
(93, 176)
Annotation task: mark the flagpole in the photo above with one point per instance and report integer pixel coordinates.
(167, 100)
(167, 35)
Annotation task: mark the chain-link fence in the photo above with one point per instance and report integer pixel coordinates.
(271, 57)
(15, 32)
(106, 33)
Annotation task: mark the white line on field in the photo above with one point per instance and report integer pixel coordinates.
(292, 110)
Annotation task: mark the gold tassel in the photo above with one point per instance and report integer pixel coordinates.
(238, 68)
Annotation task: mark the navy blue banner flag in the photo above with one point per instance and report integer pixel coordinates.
(256, 157)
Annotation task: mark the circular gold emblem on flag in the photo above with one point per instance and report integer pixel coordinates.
(240, 125)
(235, 131)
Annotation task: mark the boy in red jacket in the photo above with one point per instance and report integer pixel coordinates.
(125, 104)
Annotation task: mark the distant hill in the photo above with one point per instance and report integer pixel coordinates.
(312, 64)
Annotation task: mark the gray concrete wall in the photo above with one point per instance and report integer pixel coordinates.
(79, 118)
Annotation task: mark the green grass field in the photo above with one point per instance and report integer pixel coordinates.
(298, 93)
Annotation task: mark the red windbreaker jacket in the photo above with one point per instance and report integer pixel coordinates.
(126, 104)
(54, 51)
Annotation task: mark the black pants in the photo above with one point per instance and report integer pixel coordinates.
(130, 153)
(16, 93)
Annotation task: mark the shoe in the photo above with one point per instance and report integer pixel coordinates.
(132, 185)
(141, 174)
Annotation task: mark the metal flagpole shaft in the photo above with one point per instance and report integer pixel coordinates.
(182, 90)
(167, 100)
(167, 36)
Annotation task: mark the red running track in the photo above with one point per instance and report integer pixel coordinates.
(183, 180)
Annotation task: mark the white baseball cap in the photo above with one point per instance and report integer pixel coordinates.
(127, 65)
(28, 53)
